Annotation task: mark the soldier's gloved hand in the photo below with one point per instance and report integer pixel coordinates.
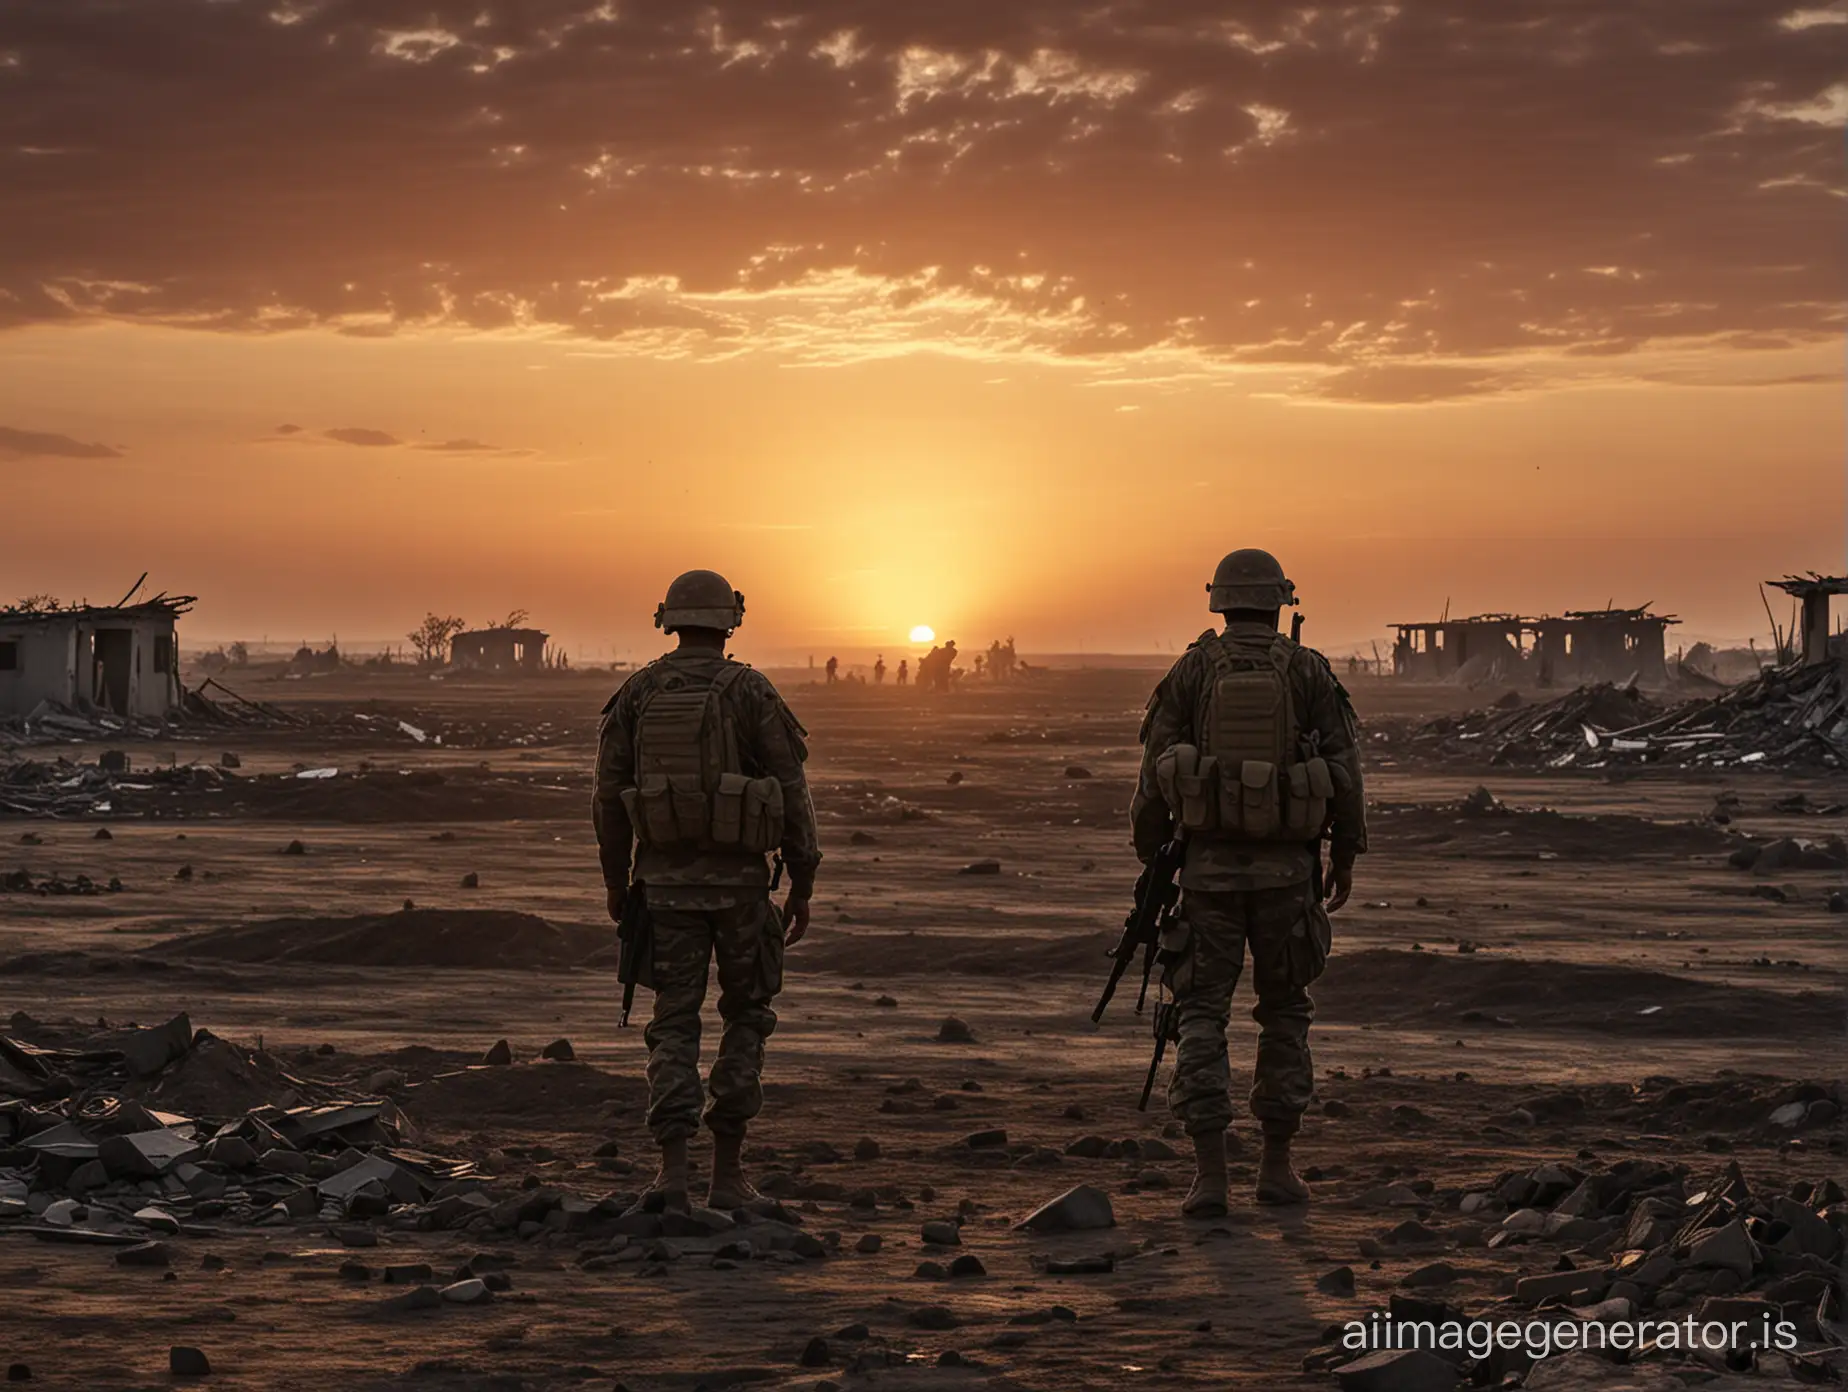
(1340, 885)
(795, 918)
(617, 895)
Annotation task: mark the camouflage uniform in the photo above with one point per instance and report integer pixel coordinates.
(1235, 893)
(707, 903)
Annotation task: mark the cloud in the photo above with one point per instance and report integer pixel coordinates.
(1343, 188)
(288, 430)
(43, 444)
(463, 446)
(359, 435)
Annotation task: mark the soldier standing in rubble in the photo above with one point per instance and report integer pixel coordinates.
(699, 774)
(1250, 755)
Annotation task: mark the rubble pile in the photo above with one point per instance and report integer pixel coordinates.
(92, 1153)
(1787, 717)
(64, 788)
(1634, 1242)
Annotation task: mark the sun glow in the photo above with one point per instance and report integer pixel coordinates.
(923, 633)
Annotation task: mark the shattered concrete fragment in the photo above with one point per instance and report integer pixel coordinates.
(1081, 1208)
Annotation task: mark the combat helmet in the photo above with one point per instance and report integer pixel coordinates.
(1249, 579)
(700, 599)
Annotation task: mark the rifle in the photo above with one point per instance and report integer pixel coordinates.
(635, 932)
(1296, 628)
(1156, 893)
(1167, 1027)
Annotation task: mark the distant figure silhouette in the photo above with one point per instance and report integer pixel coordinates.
(879, 671)
(834, 670)
(904, 671)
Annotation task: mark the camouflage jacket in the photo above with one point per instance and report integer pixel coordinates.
(1221, 863)
(770, 745)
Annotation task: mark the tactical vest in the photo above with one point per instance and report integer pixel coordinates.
(691, 792)
(1252, 776)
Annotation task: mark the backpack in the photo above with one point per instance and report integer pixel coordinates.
(691, 792)
(1252, 776)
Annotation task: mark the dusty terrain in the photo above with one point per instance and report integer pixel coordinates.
(1576, 976)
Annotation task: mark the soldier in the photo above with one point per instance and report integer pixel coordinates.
(834, 670)
(879, 670)
(904, 671)
(1250, 753)
(699, 768)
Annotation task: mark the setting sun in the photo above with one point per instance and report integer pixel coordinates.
(923, 633)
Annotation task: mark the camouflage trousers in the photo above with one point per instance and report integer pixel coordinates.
(747, 939)
(1215, 928)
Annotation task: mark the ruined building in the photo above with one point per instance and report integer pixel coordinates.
(1579, 646)
(123, 659)
(499, 650)
(1814, 592)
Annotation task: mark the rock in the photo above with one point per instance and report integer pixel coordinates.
(188, 1362)
(1081, 1208)
(866, 1148)
(145, 1254)
(885, 1002)
(385, 1080)
(1340, 1281)
(90, 1175)
(1837, 901)
(408, 1274)
(941, 1234)
(276, 1160)
(419, 1298)
(355, 1271)
(233, 1152)
(929, 1271)
(1785, 853)
(986, 1140)
(816, 1354)
(968, 1264)
(1479, 801)
(1335, 1107)
(1436, 1274)
(1809, 1231)
(1390, 1196)
(295, 848)
(471, 880)
(1569, 1285)
(1077, 771)
(981, 867)
(473, 1291)
(933, 1317)
(499, 1054)
(954, 1031)
(18, 1372)
(559, 1050)
(1397, 1370)
(868, 1244)
(1729, 1249)
(158, 1220)
(1790, 1114)
(862, 838)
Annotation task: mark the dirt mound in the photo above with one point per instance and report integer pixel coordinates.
(551, 1094)
(412, 938)
(1484, 990)
(1501, 832)
(1016, 957)
(217, 1079)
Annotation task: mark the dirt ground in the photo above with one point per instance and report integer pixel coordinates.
(1577, 976)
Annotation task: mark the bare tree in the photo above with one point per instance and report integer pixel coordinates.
(238, 654)
(431, 639)
(39, 603)
(516, 618)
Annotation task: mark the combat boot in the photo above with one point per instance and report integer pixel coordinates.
(1207, 1197)
(730, 1189)
(668, 1193)
(1278, 1182)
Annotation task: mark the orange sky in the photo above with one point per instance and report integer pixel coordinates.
(1002, 322)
